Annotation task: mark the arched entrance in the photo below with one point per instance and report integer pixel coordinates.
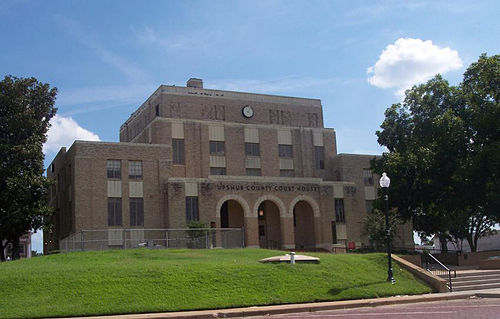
(232, 217)
(303, 222)
(268, 215)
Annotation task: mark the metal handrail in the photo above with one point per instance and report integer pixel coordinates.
(442, 269)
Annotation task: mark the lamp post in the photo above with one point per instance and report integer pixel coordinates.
(384, 183)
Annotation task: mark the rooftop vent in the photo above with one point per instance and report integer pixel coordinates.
(195, 83)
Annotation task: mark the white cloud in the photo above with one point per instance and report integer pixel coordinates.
(411, 61)
(63, 132)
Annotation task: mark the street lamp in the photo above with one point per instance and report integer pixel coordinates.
(384, 183)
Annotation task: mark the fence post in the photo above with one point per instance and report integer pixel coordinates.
(82, 239)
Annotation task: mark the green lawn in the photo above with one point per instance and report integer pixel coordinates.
(142, 280)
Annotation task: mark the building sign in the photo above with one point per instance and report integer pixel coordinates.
(268, 187)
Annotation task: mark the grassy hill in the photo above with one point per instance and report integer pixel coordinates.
(142, 280)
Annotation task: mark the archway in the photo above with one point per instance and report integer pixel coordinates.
(303, 222)
(269, 225)
(232, 215)
(232, 220)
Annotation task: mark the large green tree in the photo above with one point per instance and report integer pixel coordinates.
(443, 157)
(26, 107)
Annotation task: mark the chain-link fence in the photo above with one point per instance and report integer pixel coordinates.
(124, 238)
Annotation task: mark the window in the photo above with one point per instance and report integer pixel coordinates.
(217, 171)
(319, 156)
(286, 173)
(114, 211)
(339, 210)
(253, 172)
(217, 148)
(252, 149)
(178, 151)
(135, 169)
(157, 109)
(114, 168)
(136, 212)
(285, 150)
(368, 177)
(191, 208)
(369, 206)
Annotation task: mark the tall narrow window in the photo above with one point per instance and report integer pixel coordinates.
(286, 173)
(114, 211)
(136, 212)
(319, 156)
(252, 149)
(135, 169)
(368, 177)
(217, 171)
(157, 109)
(178, 151)
(217, 148)
(339, 210)
(114, 168)
(191, 208)
(285, 150)
(253, 172)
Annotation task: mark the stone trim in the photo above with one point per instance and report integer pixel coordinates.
(246, 208)
(307, 199)
(275, 200)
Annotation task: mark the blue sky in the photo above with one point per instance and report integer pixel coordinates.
(107, 57)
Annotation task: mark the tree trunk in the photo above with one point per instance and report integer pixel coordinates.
(2, 251)
(443, 242)
(15, 249)
(472, 243)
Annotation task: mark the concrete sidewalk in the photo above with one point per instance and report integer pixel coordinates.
(308, 307)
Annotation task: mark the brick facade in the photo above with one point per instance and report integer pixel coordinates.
(296, 192)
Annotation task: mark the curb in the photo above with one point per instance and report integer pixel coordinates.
(297, 308)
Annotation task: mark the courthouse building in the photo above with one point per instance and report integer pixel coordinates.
(262, 163)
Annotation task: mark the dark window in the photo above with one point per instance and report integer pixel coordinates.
(339, 210)
(224, 217)
(114, 211)
(157, 109)
(369, 206)
(253, 172)
(217, 171)
(178, 151)
(368, 177)
(191, 208)
(114, 168)
(334, 233)
(319, 155)
(217, 148)
(52, 168)
(135, 169)
(285, 150)
(252, 149)
(286, 173)
(136, 212)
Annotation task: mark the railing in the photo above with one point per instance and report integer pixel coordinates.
(125, 238)
(436, 267)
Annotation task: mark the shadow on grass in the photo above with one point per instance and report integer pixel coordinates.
(336, 291)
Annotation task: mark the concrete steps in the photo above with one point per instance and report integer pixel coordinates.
(476, 280)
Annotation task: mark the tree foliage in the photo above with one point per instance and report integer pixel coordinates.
(444, 153)
(374, 227)
(26, 107)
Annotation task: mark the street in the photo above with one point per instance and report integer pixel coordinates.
(476, 308)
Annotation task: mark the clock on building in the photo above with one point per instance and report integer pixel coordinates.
(247, 111)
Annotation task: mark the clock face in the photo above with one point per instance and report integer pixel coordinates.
(247, 111)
